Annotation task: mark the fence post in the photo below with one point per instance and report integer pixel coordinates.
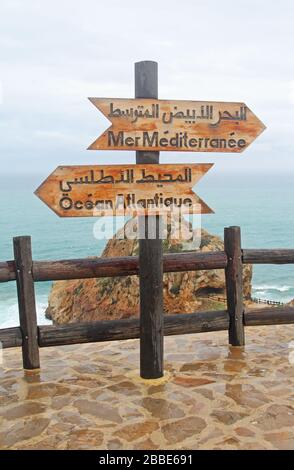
(26, 302)
(150, 251)
(234, 285)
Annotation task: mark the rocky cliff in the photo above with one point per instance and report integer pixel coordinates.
(115, 298)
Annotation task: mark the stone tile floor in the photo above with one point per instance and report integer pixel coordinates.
(212, 396)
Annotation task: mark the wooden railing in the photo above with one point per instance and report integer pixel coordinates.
(26, 272)
(256, 300)
(267, 302)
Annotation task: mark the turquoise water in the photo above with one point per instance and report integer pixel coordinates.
(262, 205)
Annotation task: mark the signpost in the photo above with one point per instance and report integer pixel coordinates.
(147, 189)
(192, 126)
(98, 190)
(150, 250)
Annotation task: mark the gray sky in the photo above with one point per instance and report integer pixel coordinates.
(54, 54)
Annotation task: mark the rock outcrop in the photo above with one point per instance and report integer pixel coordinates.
(116, 298)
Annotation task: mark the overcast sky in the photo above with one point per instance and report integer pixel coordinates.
(54, 54)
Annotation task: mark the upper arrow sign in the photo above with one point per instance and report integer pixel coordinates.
(195, 126)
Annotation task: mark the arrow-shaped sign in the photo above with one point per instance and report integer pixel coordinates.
(195, 126)
(89, 191)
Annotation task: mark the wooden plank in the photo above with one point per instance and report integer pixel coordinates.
(97, 190)
(86, 268)
(191, 126)
(98, 331)
(269, 316)
(234, 285)
(26, 302)
(10, 337)
(268, 256)
(150, 251)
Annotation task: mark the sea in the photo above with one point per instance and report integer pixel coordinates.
(261, 204)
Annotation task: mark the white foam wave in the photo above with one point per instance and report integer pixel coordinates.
(261, 292)
(266, 287)
(9, 314)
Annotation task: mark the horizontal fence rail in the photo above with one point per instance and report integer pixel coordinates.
(112, 267)
(128, 265)
(11, 337)
(30, 336)
(269, 316)
(7, 271)
(129, 329)
(269, 256)
(176, 324)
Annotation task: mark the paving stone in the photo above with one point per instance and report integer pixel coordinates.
(227, 417)
(100, 410)
(162, 409)
(181, 429)
(23, 409)
(276, 417)
(192, 381)
(134, 431)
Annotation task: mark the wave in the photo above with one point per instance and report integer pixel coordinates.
(279, 293)
(9, 313)
(265, 287)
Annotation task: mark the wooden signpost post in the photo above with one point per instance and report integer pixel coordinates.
(97, 190)
(147, 189)
(150, 250)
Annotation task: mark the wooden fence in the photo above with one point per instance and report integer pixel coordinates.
(26, 272)
(268, 302)
(256, 300)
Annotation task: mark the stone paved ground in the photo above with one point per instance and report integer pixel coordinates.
(212, 396)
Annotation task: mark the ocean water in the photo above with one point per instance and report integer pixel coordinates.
(261, 204)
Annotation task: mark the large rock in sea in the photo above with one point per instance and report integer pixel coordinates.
(116, 298)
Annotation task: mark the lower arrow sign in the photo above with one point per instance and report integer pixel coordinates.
(92, 191)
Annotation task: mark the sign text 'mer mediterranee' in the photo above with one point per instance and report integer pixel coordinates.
(194, 126)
